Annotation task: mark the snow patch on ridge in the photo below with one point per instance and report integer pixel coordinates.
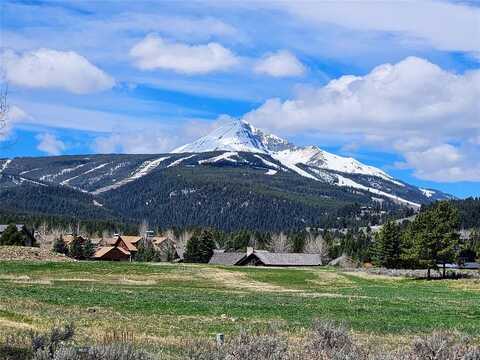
(179, 161)
(292, 165)
(343, 181)
(266, 162)
(144, 169)
(428, 193)
(65, 182)
(225, 156)
(52, 177)
(5, 164)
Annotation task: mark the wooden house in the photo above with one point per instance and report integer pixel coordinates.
(118, 248)
(112, 253)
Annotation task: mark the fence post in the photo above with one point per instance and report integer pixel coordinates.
(220, 339)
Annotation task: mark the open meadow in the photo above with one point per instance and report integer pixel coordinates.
(160, 306)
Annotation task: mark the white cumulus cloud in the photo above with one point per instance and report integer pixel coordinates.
(413, 107)
(49, 144)
(47, 68)
(280, 64)
(154, 52)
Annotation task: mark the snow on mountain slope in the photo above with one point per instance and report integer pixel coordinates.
(4, 165)
(225, 157)
(238, 135)
(428, 193)
(144, 169)
(313, 156)
(343, 181)
(309, 162)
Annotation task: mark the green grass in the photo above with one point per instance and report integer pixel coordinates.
(167, 303)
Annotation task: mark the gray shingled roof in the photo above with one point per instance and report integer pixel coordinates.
(288, 259)
(226, 258)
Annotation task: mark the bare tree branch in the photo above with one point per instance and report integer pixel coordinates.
(4, 106)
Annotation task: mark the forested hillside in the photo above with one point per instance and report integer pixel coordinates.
(225, 190)
(469, 212)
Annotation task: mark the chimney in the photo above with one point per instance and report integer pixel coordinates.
(249, 250)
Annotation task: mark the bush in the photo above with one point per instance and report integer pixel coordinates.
(44, 345)
(54, 346)
(102, 352)
(251, 346)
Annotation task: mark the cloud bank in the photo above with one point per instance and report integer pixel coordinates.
(413, 107)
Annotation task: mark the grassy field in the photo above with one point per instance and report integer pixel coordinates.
(163, 305)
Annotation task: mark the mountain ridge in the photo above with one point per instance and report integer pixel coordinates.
(270, 185)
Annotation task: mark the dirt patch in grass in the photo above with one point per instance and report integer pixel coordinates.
(237, 280)
(469, 285)
(370, 276)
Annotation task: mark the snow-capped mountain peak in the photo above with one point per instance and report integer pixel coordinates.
(236, 135)
(239, 135)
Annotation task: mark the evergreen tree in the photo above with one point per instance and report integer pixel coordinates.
(200, 247)
(240, 240)
(75, 249)
(88, 249)
(433, 238)
(475, 242)
(11, 236)
(147, 252)
(388, 246)
(298, 240)
(59, 246)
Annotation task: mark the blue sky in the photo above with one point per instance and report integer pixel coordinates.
(395, 84)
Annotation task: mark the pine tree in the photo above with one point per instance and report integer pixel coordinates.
(298, 241)
(388, 246)
(11, 236)
(88, 249)
(75, 249)
(433, 238)
(239, 240)
(59, 245)
(200, 247)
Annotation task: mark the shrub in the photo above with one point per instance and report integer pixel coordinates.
(54, 346)
(444, 346)
(103, 352)
(330, 339)
(252, 346)
(44, 346)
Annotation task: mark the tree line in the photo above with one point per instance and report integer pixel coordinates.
(430, 241)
